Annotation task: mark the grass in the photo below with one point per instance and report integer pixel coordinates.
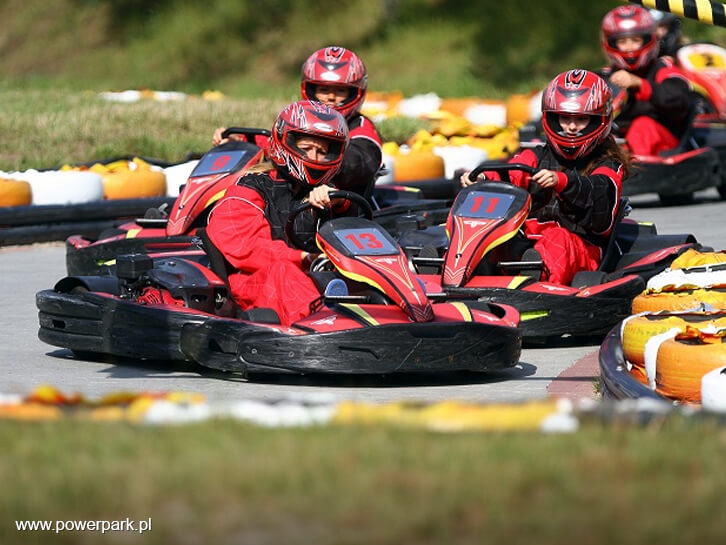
(226, 482)
(44, 128)
(50, 128)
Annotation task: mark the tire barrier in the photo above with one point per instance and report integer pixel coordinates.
(28, 224)
(679, 300)
(638, 330)
(14, 193)
(682, 362)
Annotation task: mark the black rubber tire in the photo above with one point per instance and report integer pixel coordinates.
(675, 199)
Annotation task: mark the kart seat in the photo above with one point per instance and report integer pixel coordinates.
(219, 265)
(687, 141)
(612, 251)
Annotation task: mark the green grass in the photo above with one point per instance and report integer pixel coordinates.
(225, 482)
(48, 128)
(45, 128)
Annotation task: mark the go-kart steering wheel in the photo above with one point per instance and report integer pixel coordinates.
(293, 237)
(500, 167)
(248, 133)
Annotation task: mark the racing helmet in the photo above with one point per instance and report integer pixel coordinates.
(339, 67)
(577, 92)
(670, 40)
(308, 118)
(625, 21)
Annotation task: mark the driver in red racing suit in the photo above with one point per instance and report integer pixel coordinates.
(337, 77)
(576, 192)
(247, 225)
(656, 94)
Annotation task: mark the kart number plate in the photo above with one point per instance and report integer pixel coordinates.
(485, 205)
(367, 241)
(220, 163)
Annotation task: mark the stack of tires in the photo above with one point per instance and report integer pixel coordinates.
(674, 341)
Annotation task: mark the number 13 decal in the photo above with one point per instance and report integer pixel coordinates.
(365, 240)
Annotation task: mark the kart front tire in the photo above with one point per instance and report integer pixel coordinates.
(675, 199)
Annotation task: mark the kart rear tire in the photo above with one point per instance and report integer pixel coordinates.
(722, 191)
(675, 199)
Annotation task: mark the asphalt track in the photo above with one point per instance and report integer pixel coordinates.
(25, 362)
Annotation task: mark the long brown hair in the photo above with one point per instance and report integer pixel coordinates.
(263, 166)
(610, 149)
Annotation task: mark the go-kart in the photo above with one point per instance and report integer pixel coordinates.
(397, 208)
(172, 231)
(705, 66)
(372, 316)
(694, 164)
(479, 259)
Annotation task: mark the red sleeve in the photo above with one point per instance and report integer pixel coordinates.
(517, 177)
(364, 128)
(645, 91)
(238, 227)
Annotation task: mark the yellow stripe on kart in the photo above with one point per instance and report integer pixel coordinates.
(463, 310)
(517, 281)
(358, 311)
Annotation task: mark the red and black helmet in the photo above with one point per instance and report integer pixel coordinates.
(623, 22)
(308, 118)
(338, 67)
(577, 92)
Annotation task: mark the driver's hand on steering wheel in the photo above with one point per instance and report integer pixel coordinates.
(626, 80)
(217, 137)
(319, 197)
(465, 181)
(545, 178)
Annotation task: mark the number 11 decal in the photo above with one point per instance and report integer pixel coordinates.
(479, 199)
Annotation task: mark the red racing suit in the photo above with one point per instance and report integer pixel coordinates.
(653, 117)
(569, 223)
(248, 226)
(362, 159)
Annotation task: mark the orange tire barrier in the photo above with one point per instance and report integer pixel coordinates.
(14, 193)
(518, 109)
(680, 300)
(417, 165)
(681, 364)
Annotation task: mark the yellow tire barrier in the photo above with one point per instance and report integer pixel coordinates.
(123, 179)
(637, 330)
(417, 165)
(694, 258)
(134, 184)
(680, 300)
(14, 193)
